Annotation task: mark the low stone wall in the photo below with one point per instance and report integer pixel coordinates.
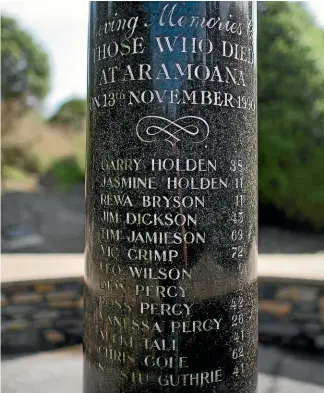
(41, 314)
(291, 311)
(43, 308)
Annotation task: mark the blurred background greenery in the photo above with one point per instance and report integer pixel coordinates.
(291, 116)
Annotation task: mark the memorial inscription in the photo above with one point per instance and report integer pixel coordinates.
(171, 198)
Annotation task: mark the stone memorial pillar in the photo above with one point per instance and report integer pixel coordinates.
(171, 198)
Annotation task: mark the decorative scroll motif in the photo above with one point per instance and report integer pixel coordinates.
(150, 128)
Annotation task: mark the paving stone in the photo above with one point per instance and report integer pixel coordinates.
(42, 287)
(62, 295)
(15, 324)
(4, 300)
(54, 336)
(29, 297)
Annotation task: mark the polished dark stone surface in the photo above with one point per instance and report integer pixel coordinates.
(171, 198)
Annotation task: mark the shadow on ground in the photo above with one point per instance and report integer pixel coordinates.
(49, 221)
(296, 364)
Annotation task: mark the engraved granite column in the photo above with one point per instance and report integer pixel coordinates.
(171, 198)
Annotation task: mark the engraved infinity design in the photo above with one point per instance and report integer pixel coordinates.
(149, 128)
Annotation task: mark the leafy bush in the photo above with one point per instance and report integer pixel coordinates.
(71, 114)
(291, 112)
(12, 173)
(25, 73)
(21, 158)
(68, 170)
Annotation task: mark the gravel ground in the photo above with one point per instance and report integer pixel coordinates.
(52, 221)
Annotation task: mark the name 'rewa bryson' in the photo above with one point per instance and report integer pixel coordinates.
(176, 201)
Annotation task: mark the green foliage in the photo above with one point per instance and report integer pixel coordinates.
(24, 81)
(24, 65)
(68, 170)
(12, 173)
(21, 158)
(291, 112)
(71, 114)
